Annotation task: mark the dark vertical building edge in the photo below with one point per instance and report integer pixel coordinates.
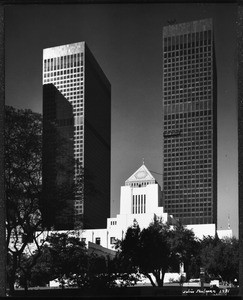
(97, 125)
(2, 194)
(55, 108)
(240, 138)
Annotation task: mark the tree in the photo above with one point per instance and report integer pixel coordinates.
(65, 258)
(185, 249)
(220, 258)
(23, 136)
(126, 261)
(68, 257)
(155, 255)
(23, 188)
(209, 255)
(147, 251)
(102, 272)
(130, 248)
(158, 249)
(40, 273)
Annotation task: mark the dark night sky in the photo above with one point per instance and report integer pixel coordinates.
(126, 40)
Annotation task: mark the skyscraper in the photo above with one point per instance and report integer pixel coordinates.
(73, 70)
(190, 118)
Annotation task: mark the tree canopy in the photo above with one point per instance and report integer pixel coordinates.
(161, 248)
(23, 156)
(156, 250)
(220, 257)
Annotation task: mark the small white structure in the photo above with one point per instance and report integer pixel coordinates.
(225, 233)
(202, 230)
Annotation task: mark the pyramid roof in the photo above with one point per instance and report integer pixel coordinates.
(142, 174)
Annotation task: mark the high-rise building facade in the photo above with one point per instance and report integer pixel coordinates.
(190, 119)
(73, 70)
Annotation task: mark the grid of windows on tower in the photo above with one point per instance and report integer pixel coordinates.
(67, 74)
(188, 131)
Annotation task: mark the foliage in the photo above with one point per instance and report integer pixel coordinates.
(220, 257)
(68, 257)
(156, 250)
(40, 274)
(32, 274)
(101, 272)
(24, 194)
(141, 251)
(155, 255)
(185, 248)
(23, 137)
(65, 258)
(126, 261)
(128, 257)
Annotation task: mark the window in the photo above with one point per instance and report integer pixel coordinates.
(138, 204)
(112, 240)
(97, 240)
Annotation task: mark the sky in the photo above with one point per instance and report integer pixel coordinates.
(126, 40)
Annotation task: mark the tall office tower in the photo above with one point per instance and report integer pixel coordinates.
(190, 118)
(73, 70)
